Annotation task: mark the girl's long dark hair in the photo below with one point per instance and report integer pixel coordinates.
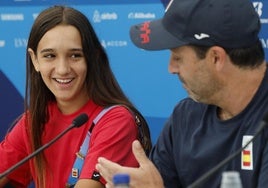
(101, 83)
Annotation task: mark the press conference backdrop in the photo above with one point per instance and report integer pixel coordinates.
(143, 75)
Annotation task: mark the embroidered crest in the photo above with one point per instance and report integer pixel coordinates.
(74, 172)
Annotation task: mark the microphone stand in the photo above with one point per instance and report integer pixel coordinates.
(77, 122)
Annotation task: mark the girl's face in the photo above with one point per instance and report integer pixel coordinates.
(62, 65)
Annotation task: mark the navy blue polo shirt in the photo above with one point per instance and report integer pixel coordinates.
(194, 140)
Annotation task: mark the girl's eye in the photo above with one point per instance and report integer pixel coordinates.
(48, 56)
(76, 56)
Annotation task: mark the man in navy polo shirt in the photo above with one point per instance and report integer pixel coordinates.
(218, 57)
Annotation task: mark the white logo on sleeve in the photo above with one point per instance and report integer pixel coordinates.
(201, 36)
(96, 175)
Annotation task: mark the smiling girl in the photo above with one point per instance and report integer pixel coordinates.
(68, 73)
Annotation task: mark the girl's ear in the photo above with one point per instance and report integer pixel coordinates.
(34, 59)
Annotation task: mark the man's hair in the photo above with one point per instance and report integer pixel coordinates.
(249, 57)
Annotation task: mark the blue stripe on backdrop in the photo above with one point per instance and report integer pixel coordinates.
(11, 104)
(75, 2)
(165, 2)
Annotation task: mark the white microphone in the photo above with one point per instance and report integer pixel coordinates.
(203, 178)
(77, 122)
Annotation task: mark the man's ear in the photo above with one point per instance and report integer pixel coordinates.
(34, 59)
(218, 56)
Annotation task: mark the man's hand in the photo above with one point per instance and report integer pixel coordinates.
(146, 176)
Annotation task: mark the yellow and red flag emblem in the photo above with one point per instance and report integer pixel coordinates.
(247, 154)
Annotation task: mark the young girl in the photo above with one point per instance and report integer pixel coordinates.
(68, 73)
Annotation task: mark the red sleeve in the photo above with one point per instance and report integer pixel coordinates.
(111, 138)
(13, 149)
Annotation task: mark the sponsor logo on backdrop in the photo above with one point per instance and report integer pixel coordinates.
(2, 43)
(20, 42)
(259, 7)
(113, 43)
(35, 15)
(12, 17)
(141, 15)
(99, 17)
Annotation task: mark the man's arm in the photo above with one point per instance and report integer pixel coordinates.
(84, 183)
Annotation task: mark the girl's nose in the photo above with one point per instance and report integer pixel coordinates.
(62, 66)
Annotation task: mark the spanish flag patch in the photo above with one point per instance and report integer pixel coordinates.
(247, 154)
